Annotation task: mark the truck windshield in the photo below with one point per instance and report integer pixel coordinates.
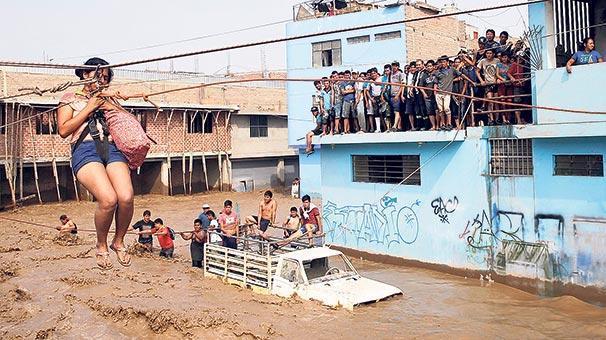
(330, 267)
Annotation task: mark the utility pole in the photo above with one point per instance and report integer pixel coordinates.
(264, 72)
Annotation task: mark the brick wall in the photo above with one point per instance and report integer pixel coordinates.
(173, 138)
(429, 39)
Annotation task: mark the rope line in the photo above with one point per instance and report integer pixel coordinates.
(267, 42)
(235, 81)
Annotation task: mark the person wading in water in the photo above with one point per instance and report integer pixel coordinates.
(99, 166)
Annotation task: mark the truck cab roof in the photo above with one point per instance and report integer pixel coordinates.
(310, 254)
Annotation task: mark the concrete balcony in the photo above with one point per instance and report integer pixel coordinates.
(580, 90)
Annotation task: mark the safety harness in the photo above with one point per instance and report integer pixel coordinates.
(101, 138)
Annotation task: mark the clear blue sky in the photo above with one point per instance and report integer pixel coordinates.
(64, 29)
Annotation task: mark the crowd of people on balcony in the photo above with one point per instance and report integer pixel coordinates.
(436, 94)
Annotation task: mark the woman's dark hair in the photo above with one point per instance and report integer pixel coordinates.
(94, 62)
(586, 40)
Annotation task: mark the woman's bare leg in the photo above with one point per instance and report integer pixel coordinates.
(94, 178)
(119, 176)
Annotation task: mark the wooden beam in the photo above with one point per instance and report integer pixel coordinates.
(205, 172)
(35, 156)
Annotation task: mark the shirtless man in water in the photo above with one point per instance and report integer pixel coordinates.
(67, 226)
(267, 216)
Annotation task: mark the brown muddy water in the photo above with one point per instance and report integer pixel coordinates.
(51, 289)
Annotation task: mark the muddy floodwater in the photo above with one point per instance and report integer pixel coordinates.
(51, 288)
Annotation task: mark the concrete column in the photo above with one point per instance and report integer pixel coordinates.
(160, 185)
(280, 171)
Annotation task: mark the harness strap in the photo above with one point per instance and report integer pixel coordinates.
(101, 144)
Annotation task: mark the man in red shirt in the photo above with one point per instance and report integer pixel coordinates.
(164, 238)
(310, 216)
(517, 74)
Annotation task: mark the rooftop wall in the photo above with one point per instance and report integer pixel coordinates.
(354, 56)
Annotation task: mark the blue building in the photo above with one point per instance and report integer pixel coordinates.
(526, 203)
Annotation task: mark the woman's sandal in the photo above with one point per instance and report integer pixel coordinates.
(124, 251)
(103, 261)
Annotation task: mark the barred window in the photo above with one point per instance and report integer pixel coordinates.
(358, 40)
(258, 126)
(511, 157)
(3, 115)
(326, 53)
(199, 122)
(578, 165)
(388, 35)
(386, 169)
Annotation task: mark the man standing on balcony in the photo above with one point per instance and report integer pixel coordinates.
(395, 93)
(349, 97)
(488, 67)
(587, 56)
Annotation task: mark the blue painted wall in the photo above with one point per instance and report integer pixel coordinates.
(310, 175)
(578, 90)
(354, 56)
(461, 217)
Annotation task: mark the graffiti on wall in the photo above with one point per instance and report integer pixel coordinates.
(483, 234)
(385, 224)
(442, 208)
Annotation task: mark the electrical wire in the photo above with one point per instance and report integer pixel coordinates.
(213, 35)
(266, 42)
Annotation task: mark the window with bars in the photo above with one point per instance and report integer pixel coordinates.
(46, 124)
(258, 126)
(326, 53)
(3, 120)
(358, 40)
(572, 22)
(386, 169)
(511, 157)
(200, 122)
(578, 165)
(388, 35)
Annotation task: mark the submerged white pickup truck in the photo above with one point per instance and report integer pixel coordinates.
(320, 273)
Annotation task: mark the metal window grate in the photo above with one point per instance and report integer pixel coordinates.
(258, 126)
(386, 169)
(571, 21)
(511, 157)
(326, 53)
(198, 122)
(578, 165)
(358, 40)
(388, 35)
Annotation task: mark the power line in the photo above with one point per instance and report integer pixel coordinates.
(266, 42)
(174, 41)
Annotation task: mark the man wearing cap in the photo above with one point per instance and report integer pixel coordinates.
(205, 223)
(315, 132)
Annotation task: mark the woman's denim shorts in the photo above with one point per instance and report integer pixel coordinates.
(86, 153)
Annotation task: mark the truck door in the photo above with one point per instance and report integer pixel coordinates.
(287, 279)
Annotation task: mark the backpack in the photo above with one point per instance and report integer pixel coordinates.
(171, 233)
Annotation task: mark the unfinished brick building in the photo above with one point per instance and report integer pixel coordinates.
(192, 131)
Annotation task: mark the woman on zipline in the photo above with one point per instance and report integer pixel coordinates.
(99, 166)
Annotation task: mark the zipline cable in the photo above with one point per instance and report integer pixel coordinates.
(267, 42)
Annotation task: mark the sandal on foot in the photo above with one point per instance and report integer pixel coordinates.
(103, 261)
(123, 251)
